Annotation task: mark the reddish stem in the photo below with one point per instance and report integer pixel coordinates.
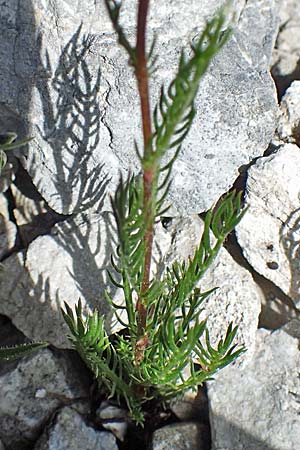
(148, 176)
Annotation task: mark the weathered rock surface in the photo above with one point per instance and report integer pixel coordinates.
(288, 128)
(31, 213)
(32, 391)
(286, 55)
(269, 232)
(71, 263)
(181, 436)
(8, 230)
(69, 431)
(257, 407)
(237, 298)
(68, 264)
(84, 123)
(113, 418)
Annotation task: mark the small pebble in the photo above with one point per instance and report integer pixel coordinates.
(41, 393)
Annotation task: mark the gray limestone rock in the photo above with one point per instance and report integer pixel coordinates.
(8, 230)
(32, 390)
(288, 128)
(269, 231)
(67, 265)
(257, 407)
(237, 299)
(64, 266)
(69, 431)
(286, 55)
(68, 81)
(181, 436)
(71, 263)
(114, 419)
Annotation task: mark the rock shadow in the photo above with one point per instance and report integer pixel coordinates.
(234, 437)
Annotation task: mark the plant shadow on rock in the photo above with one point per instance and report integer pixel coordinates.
(71, 130)
(71, 127)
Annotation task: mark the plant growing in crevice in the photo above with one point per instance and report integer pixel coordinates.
(162, 332)
(8, 142)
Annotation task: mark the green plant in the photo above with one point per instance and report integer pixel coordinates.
(162, 334)
(18, 351)
(8, 142)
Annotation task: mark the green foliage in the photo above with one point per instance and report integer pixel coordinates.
(7, 142)
(148, 362)
(176, 337)
(18, 351)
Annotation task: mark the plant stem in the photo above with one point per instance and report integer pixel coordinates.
(148, 172)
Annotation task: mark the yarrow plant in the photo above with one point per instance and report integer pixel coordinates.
(162, 334)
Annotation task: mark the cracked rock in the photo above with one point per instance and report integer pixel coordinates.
(258, 407)
(286, 55)
(69, 431)
(269, 231)
(65, 76)
(67, 265)
(237, 299)
(288, 128)
(8, 230)
(32, 391)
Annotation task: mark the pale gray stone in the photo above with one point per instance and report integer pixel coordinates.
(31, 213)
(23, 410)
(71, 263)
(286, 55)
(64, 266)
(69, 431)
(257, 407)
(237, 299)
(180, 436)
(67, 265)
(114, 419)
(288, 128)
(8, 230)
(269, 231)
(78, 98)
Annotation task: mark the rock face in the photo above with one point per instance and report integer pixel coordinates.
(183, 436)
(32, 391)
(269, 232)
(288, 128)
(8, 230)
(257, 407)
(285, 60)
(67, 265)
(71, 263)
(72, 88)
(70, 432)
(237, 298)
